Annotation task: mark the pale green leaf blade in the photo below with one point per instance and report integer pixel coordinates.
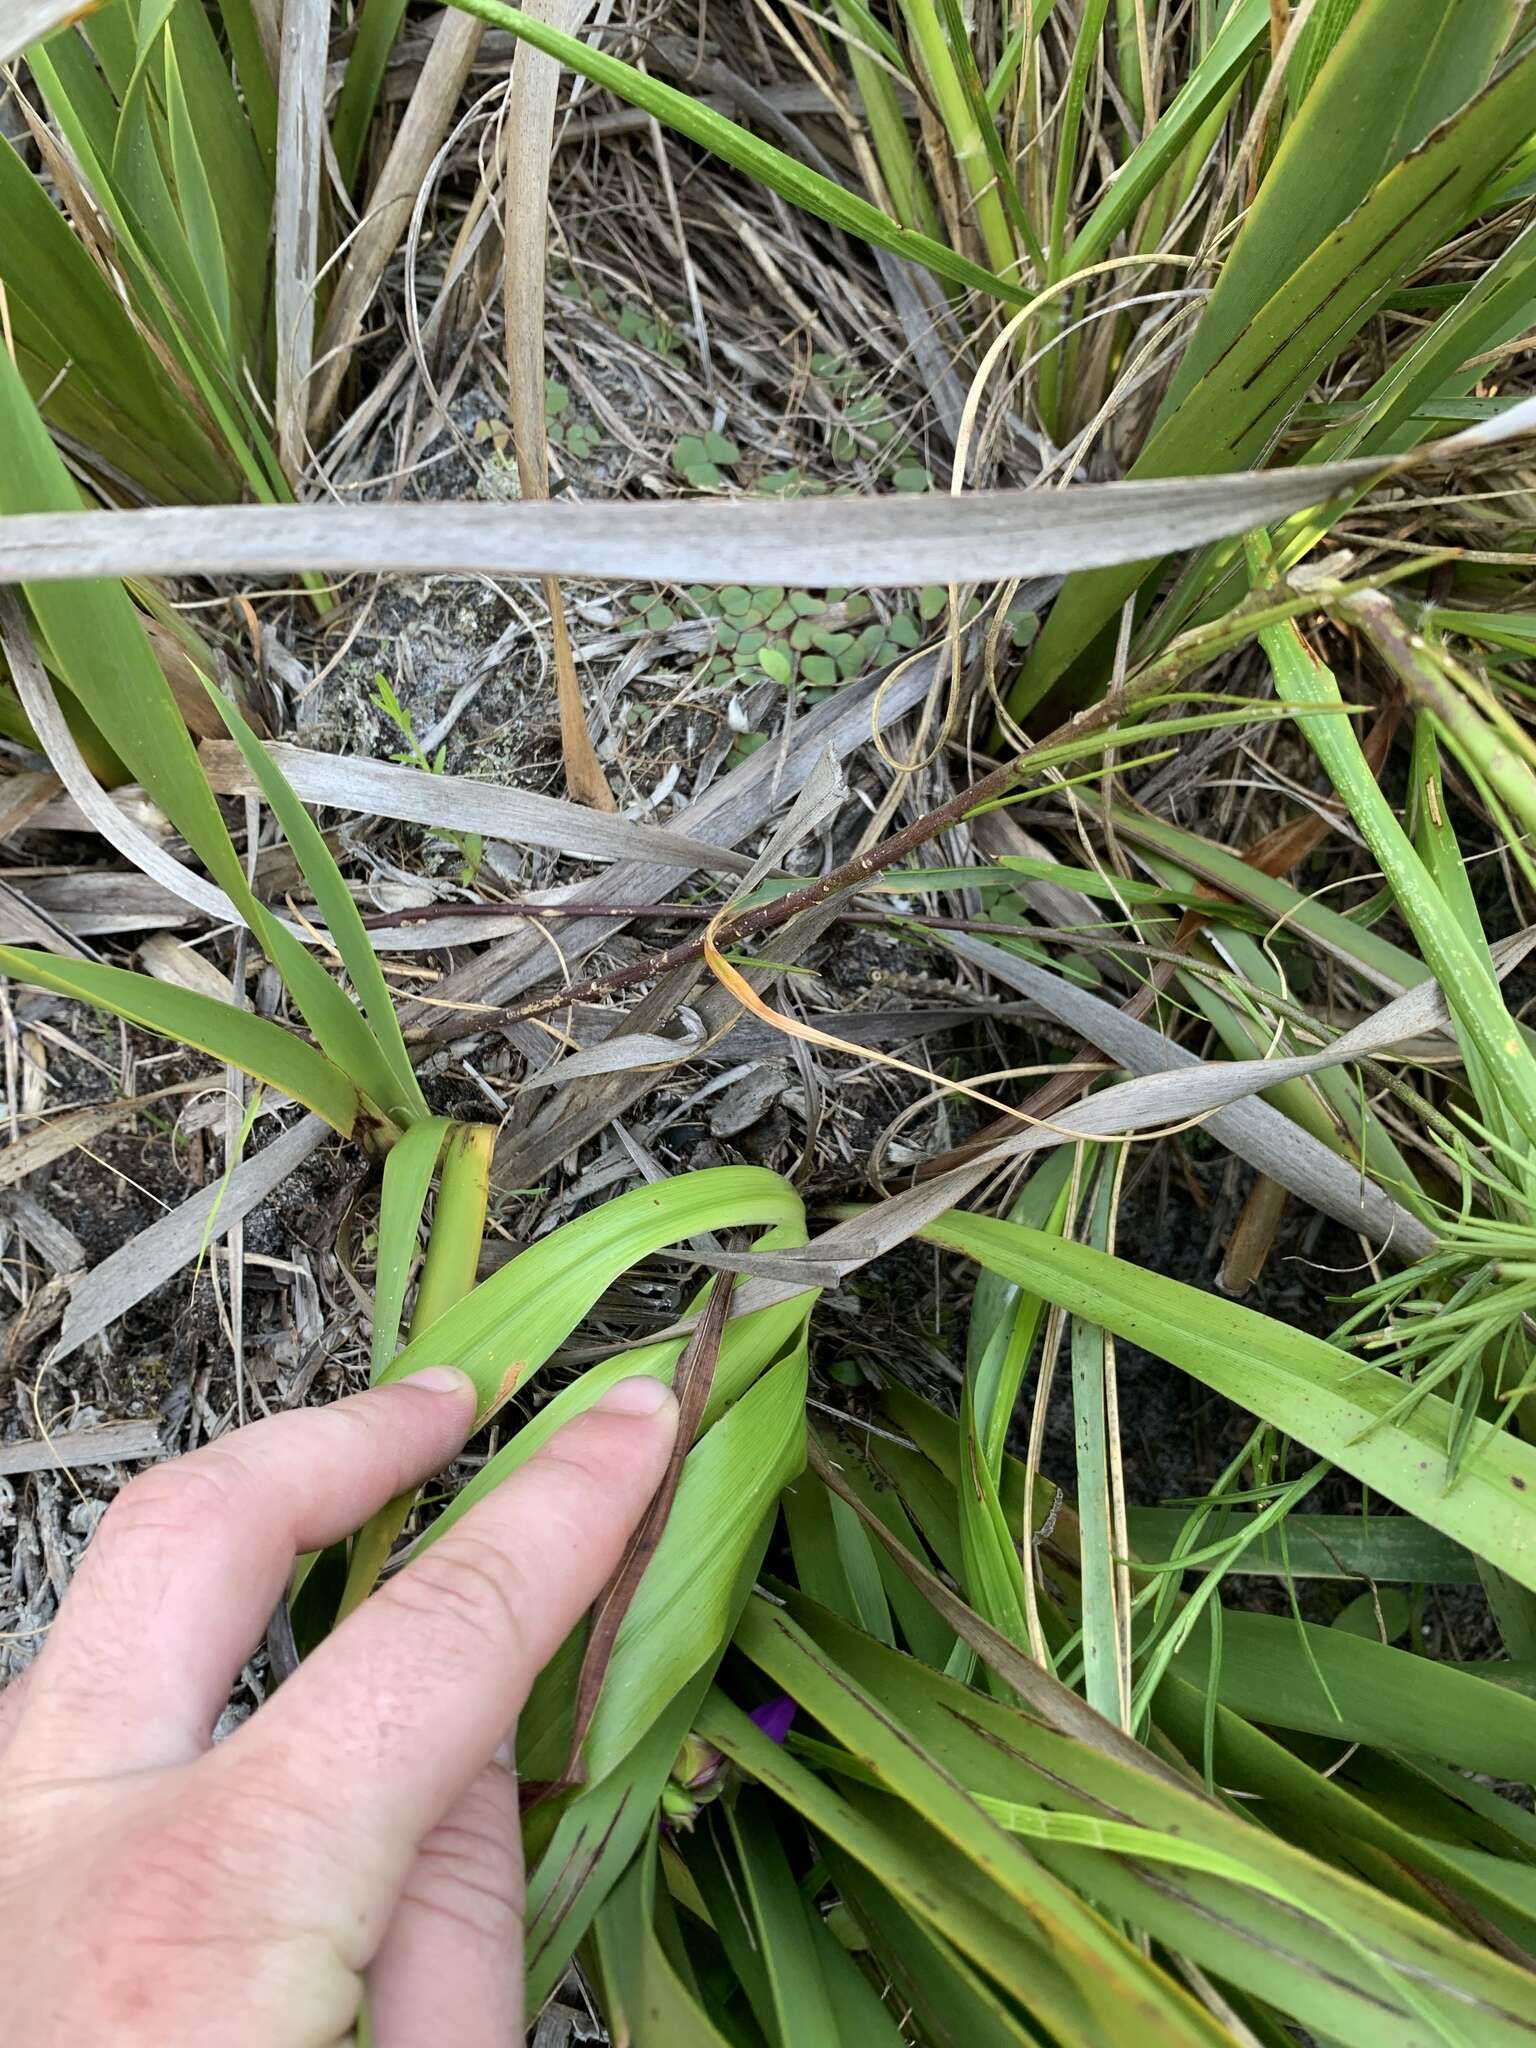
(339, 909)
(408, 1171)
(253, 1044)
(1315, 1392)
(505, 1329)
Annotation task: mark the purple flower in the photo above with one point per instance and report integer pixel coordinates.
(700, 1773)
(775, 1717)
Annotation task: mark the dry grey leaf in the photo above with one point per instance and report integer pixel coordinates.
(823, 792)
(89, 903)
(728, 812)
(385, 789)
(27, 21)
(107, 1443)
(1172, 1087)
(24, 923)
(296, 216)
(426, 121)
(621, 1055)
(23, 795)
(62, 1134)
(899, 541)
(169, 960)
(56, 1245)
(110, 1289)
(103, 815)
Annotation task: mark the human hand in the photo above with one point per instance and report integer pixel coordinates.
(156, 1890)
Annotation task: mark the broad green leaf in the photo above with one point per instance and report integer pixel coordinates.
(926, 1635)
(505, 1329)
(645, 1998)
(238, 184)
(98, 646)
(681, 1618)
(408, 1171)
(1015, 1948)
(954, 2002)
(1400, 68)
(833, 1557)
(1318, 1394)
(1374, 1546)
(1330, 1956)
(1356, 1690)
(859, 2013)
(795, 2003)
(257, 87)
(598, 1830)
(253, 1044)
(117, 397)
(1329, 1815)
(1098, 1971)
(205, 243)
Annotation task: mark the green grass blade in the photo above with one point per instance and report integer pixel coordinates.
(1017, 1949)
(760, 161)
(1105, 1681)
(378, 26)
(337, 906)
(1390, 967)
(253, 1044)
(503, 1332)
(1318, 1812)
(1459, 964)
(1246, 394)
(97, 645)
(408, 1174)
(257, 87)
(1317, 1393)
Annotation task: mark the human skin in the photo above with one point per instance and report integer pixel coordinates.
(362, 1827)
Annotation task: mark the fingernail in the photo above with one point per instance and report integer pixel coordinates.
(639, 1396)
(439, 1379)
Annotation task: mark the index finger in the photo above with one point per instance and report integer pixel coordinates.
(172, 1594)
(384, 1726)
